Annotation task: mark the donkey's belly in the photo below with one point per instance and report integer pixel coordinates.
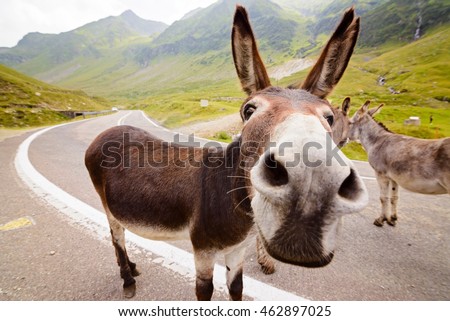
(420, 185)
(158, 233)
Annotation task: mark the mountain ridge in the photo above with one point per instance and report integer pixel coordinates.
(106, 56)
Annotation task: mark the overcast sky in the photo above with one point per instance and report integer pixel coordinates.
(19, 17)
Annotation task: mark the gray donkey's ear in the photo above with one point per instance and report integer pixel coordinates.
(346, 106)
(372, 112)
(364, 108)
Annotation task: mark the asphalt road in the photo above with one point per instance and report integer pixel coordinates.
(49, 256)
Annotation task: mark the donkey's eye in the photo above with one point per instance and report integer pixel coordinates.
(330, 119)
(249, 109)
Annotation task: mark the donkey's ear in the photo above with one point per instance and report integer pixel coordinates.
(249, 66)
(346, 106)
(364, 108)
(360, 112)
(334, 59)
(372, 112)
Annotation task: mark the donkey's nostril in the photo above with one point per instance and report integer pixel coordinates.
(275, 173)
(350, 186)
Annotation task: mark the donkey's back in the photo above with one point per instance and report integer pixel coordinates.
(418, 165)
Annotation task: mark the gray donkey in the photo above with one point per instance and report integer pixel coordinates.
(418, 165)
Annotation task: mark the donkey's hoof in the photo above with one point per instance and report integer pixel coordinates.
(392, 222)
(135, 272)
(268, 269)
(378, 222)
(129, 291)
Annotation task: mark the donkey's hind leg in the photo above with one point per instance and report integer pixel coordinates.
(265, 261)
(127, 268)
(394, 199)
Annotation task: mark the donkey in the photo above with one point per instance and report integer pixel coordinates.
(339, 130)
(341, 124)
(418, 165)
(277, 180)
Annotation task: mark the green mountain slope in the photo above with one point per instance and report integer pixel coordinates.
(25, 101)
(53, 57)
(210, 29)
(402, 21)
(111, 58)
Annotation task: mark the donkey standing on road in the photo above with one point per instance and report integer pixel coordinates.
(277, 180)
(418, 165)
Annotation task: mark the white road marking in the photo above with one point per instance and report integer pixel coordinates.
(205, 140)
(151, 121)
(121, 120)
(175, 259)
(360, 161)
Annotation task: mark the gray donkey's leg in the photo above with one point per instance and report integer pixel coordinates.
(384, 184)
(394, 199)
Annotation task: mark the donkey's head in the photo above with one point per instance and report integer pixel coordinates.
(360, 119)
(299, 183)
(341, 124)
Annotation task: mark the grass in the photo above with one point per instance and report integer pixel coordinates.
(222, 136)
(180, 107)
(27, 102)
(20, 117)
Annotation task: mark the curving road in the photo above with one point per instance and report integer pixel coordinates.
(57, 253)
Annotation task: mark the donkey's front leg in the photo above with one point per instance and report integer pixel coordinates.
(383, 183)
(204, 267)
(234, 262)
(128, 269)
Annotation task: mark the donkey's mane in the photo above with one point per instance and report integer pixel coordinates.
(382, 125)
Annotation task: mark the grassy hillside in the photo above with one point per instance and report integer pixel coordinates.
(399, 20)
(111, 58)
(25, 101)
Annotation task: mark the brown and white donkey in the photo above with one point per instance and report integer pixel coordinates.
(283, 179)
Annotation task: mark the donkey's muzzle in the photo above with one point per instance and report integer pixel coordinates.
(321, 262)
(303, 185)
(295, 253)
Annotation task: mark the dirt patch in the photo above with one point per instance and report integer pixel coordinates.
(290, 67)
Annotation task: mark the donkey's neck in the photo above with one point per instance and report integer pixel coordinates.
(373, 135)
(225, 195)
